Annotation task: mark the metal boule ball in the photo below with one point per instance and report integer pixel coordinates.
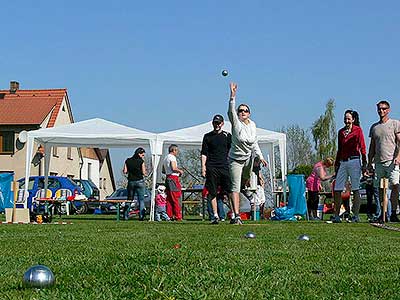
(38, 276)
(250, 235)
(303, 237)
(225, 73)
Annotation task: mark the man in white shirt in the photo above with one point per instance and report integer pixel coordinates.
(174, 189)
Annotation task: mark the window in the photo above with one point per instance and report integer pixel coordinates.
(30, 185)
(54, 184)
(89, 170)
(104, 184)
(100, 183)
(55, 151)
(7, 142)
(53, 173)
(69, 153)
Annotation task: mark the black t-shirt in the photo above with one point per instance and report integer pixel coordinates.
(134, 166)
(216, 147)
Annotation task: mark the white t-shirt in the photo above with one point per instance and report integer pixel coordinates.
(167, 164)
(244, 137)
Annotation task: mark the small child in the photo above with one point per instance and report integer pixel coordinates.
(161, 203)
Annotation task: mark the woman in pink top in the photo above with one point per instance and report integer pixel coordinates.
(313, 184)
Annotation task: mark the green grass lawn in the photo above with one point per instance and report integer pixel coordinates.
(99, 258)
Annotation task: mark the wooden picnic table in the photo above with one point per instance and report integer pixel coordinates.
(62, 201)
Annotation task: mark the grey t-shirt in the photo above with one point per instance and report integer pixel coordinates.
(384, 135)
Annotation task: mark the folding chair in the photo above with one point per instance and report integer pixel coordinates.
(62, 195)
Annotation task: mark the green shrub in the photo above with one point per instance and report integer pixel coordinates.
(302, 169)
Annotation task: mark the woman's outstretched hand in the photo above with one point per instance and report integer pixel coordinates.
(233, 88)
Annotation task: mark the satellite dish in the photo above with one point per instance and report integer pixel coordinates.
(23, 136)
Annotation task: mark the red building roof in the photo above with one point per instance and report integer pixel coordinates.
(30, 107)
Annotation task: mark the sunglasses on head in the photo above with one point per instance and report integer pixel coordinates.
(243, 110)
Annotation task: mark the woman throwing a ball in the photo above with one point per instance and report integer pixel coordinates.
(244, 145)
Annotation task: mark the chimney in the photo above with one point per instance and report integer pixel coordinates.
(14, 86)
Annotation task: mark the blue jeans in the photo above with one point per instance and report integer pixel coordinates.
(161, 213)
(136, 187)
(373, 194)
(220, 209)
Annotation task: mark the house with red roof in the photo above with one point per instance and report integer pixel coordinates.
(34, 109)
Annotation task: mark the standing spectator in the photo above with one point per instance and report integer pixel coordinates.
(136, 170)
(372, 194)
(244, 143)
(174, 189)
(313, 184)
(214, 163)
(221, 200)
(384, 152)
(161, 202)
(351, 146)
(258, 196)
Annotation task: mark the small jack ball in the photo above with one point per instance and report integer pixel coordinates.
(224, 73)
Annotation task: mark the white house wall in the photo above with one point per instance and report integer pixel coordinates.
(95, 170)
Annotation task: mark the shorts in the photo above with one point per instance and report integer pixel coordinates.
(217, 177)
(240, 171)
(386, 170)
(352, 169)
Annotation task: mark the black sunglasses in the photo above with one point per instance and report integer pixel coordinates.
(383, 108)
(243, 110)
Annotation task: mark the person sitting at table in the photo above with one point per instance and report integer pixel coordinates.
(313, 184)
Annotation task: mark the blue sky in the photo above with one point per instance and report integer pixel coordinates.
(156, 65)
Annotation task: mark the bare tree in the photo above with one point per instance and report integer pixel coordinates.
(189, 160)
(123, 181)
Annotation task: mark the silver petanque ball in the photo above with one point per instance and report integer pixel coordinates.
(303, 237)
(250, 235)
(225, 73)
(38, 277)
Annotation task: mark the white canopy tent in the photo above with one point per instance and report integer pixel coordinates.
(89, 133)
(102, 133)
(193, 136)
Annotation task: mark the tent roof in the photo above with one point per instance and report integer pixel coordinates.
(93, 133)
(194, 135)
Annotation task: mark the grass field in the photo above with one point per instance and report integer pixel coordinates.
(99, 258)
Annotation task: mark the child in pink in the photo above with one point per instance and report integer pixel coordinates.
(161, 204)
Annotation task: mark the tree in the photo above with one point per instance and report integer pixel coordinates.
(299, 147)
(324, 132)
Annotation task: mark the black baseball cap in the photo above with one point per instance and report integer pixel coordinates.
(218, 119)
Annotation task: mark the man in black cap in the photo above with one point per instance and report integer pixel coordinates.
(214, 162)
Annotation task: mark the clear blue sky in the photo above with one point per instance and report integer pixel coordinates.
(156, 65)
